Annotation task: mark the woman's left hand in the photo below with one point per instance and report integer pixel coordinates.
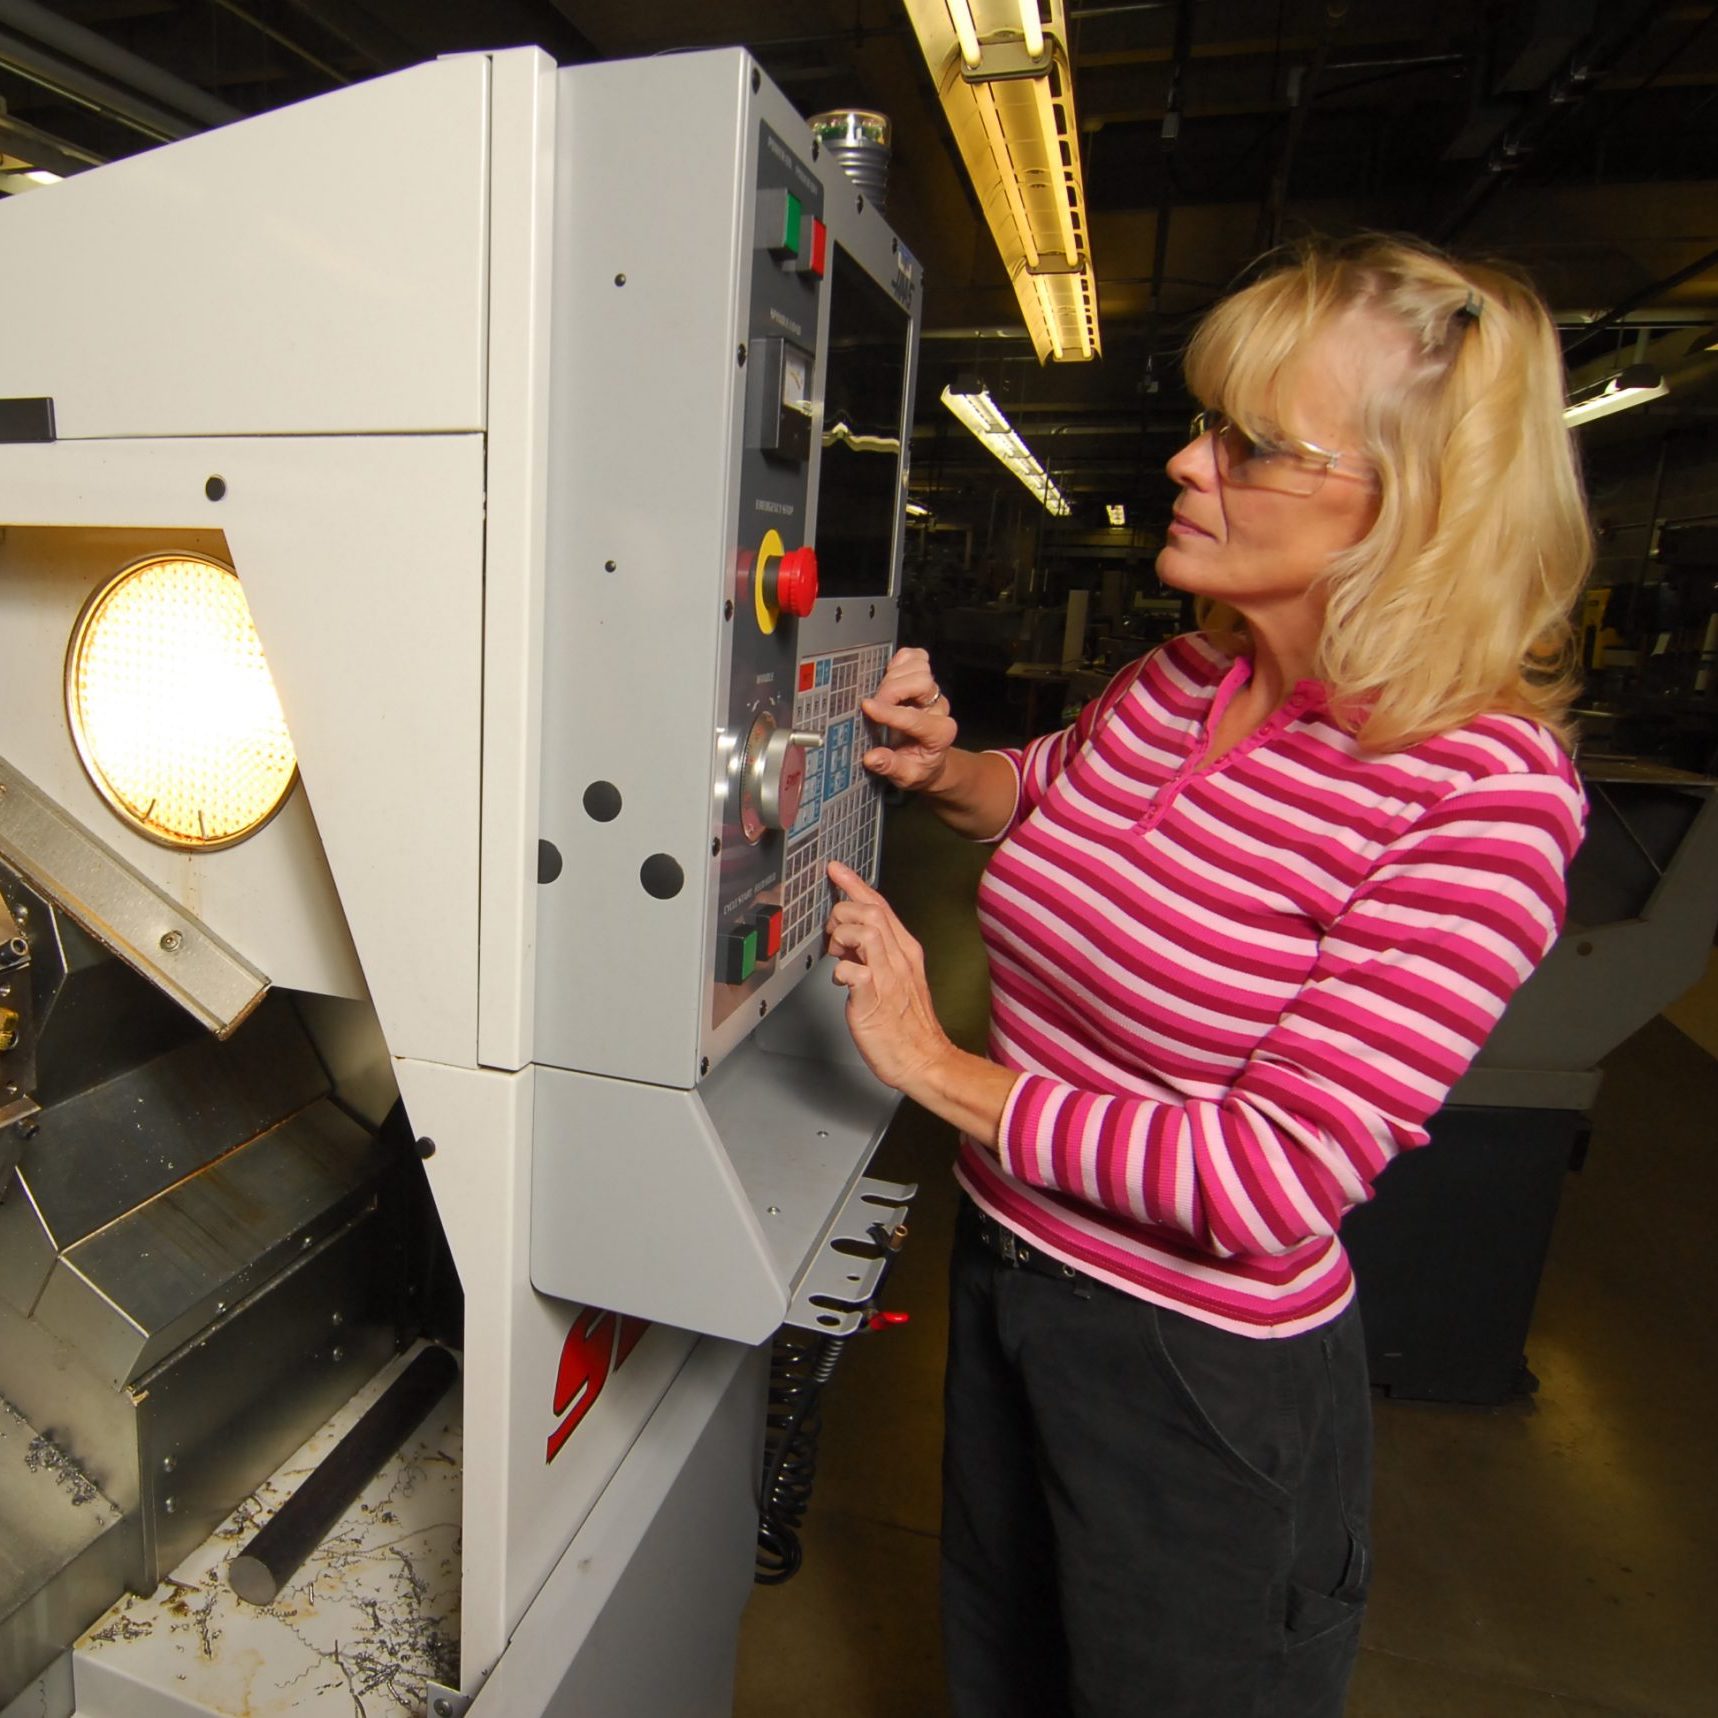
(889, 1008)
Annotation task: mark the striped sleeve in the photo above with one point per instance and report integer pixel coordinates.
(1409, 980)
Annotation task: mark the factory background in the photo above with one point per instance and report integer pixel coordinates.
(1546, 1546)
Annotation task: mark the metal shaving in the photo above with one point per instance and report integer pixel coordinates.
(44, 1453)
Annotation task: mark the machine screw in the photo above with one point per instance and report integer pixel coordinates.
(757, 80)
(172, 942)
(444, 1709)
(704, 1065)
(815, 148)
(620, 280)
(740, 356)
(28, 1130)
(337, 1355)
(168, 1464)
(426, 1148)
(727, 611)
(715, 847)
(859, 205)
(169, 1506)
(215, 488)
(808, 963)
(763, 1009)
(608, 566)
(838, 617)
(774, 1211)
(337, 1319)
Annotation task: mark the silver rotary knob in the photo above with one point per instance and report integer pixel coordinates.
(774, 778)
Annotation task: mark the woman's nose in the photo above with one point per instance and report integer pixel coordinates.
(1193, 466)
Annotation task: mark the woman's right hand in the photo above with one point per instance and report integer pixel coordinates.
(911, 705)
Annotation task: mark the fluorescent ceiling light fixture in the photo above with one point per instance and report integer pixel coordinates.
(965, 30)
(1002, 74)
(41, 176)
(917, 510)
(1117, 512)
(1631, 386)
(975, 408)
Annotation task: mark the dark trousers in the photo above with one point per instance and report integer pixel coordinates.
(1145, 1516)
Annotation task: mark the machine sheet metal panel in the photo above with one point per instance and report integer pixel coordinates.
(311, 271)
(662, 666)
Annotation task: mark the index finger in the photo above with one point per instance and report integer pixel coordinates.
(851, 884)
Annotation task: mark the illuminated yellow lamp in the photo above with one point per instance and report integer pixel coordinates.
(172, 706)
(1002, 73)
(972, 405)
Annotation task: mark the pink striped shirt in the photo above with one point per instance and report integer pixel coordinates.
(1235, 992)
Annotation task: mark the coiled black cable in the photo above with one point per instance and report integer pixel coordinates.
(800, 1365)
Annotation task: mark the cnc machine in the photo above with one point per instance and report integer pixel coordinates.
(445, 531)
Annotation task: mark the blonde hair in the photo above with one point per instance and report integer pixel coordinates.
(1457, 602)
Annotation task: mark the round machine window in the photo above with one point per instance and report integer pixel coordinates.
(172, 707)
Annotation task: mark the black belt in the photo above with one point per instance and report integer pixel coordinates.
(1017, 1253)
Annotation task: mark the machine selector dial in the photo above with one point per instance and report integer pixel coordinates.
(774, 777)
(796, 582)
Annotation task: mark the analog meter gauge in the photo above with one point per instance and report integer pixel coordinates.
(172, 707)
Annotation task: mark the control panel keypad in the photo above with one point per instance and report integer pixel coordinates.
(840, 813)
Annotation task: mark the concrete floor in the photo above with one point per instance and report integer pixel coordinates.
(1555, 1558)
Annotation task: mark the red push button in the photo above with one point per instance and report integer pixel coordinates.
(769, 934)
(796, 582)
(812, 254)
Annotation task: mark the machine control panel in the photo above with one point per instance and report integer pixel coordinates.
(767, 756)
(770, 372)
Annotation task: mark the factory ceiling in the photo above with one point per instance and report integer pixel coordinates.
(1578, 138)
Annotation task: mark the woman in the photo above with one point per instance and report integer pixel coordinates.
(1250, 918)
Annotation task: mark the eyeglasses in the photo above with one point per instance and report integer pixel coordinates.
(1250, 462)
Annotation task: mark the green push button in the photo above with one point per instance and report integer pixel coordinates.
(737, 956)
(781, 218)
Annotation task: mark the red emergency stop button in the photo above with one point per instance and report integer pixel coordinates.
(796, 582)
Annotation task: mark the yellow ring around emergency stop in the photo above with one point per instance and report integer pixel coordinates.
(770, 549)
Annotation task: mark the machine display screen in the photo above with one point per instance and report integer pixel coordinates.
(864, 418)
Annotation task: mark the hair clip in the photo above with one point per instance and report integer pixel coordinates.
(1472, 308)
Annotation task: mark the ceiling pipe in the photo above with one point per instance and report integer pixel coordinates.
(1171, 134)
(134, 76)
(43, 150)
(354, 28)
(1302, 82)
(1614, 316)
(74, 84)
(269, 33)
(1566, 90)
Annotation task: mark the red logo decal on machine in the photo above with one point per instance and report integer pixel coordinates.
(598, 1345)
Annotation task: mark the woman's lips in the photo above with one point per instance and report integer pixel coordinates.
(1180, 522)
